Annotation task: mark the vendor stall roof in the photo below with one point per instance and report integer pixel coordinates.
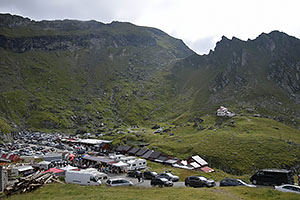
(134, 150)
(141, 152)
(199, 160)
(120, 148)
(93, 141)
(120, 164)
(161, 159)
(207, 169)
(54, 170)
(44, 163)
(99, 159)
(171, 161)
(126, 148)
(68, 167)
(195, 165)
(155, 155)
(147, 155)
(24, 168)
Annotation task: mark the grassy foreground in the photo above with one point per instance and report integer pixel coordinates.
(70, 191)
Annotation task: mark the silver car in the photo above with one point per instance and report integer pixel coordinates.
(118, 182)
(288, 188)
(169, 176)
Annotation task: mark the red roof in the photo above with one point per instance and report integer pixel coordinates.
(54, 170)
(207, 169)
(71, 155)
(4, 155)
(14, 157)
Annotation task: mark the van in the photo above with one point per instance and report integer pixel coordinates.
(117, 157)
(127, 159)
(85, 177)
(272, 177)
(137, 164)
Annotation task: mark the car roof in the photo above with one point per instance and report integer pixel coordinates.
(115, 179)
(163, 179)
(198, 176)
(290, 185)
(276, 170)
(230, 179)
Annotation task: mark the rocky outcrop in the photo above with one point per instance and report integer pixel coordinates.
(260, 72)
(286, 75)
(73, 42)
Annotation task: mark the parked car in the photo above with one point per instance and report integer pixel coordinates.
(169, 176)
(288, 188)
(118, 182)
(150, 175)
(234, 182)
(199, 181)
(272, 177)
(159, 130)
(161, 182)
(134, 173)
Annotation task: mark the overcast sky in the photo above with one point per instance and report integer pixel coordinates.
(200, 24)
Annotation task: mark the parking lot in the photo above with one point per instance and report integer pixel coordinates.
(143, 183)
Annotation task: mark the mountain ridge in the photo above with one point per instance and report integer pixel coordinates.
(69, 74)
(70, 78)
(241, 71)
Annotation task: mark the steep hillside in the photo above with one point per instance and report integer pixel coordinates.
(260, 76)
(80, 75)
(90, 76)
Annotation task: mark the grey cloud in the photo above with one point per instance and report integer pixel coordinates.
(100, 10)
(58, 9)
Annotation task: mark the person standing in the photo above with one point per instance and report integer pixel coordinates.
(138, 177)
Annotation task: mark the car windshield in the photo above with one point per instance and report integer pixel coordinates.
(164, 179)
(97, 177)
(202, 178)
(242, 182)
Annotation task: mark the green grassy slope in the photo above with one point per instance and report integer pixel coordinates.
(69, 75)
(66, 75)
(240, 145)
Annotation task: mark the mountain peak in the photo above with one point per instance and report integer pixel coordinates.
(225, 43)
(10, 21)
(268, 42)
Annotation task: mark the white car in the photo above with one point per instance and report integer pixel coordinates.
(288, 188)
(118, 182)
(169, 176)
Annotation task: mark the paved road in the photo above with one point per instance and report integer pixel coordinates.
(143, 183)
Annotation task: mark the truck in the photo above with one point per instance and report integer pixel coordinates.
(85, 177)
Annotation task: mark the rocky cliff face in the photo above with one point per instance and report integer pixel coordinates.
(261, 73)
(276, 53)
